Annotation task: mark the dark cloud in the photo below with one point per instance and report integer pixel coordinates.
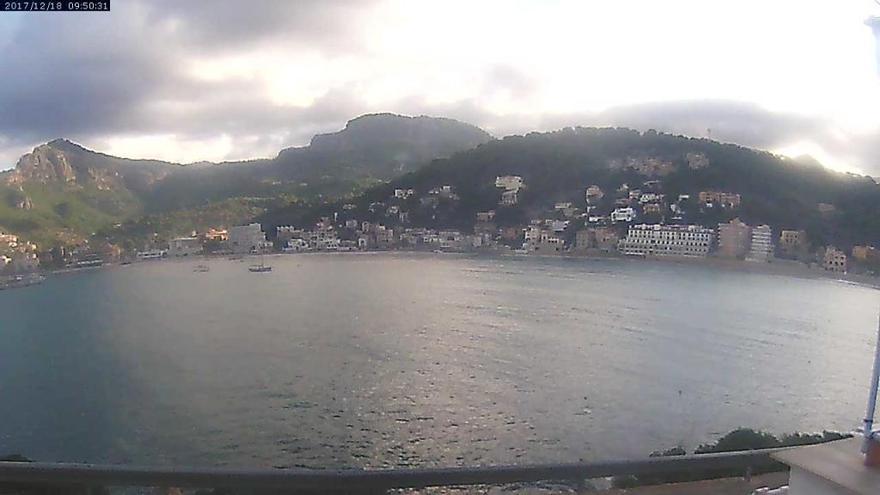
(229, 24)
(56, 80)
(89, 77)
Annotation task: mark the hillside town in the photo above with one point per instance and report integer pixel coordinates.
(630, 220)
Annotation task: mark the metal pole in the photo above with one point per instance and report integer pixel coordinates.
(872, 395)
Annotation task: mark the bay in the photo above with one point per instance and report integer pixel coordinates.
(396, 360)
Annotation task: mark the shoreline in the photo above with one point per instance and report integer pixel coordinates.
(779, 267)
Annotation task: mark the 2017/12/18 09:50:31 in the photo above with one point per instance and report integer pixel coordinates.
(59, 6)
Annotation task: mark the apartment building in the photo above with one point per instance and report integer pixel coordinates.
(667, 240)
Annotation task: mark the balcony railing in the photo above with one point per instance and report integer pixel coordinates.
(37, 474)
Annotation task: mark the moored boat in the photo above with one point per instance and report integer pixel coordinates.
(261, 268)
(17, 281)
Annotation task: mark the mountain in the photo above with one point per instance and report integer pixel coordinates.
(380, 146)
(558, 166)
(370, 149)
(64, 162)
(63, 192)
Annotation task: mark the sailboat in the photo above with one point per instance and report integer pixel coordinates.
(261, 268)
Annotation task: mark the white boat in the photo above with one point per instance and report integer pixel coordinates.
(152, 254)
(261, 268)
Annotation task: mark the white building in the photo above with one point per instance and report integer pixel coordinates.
(485, 216)
(835, 260)
(623, 215)
(184, 246)
(403, 193)
(532, 234)
(329, 244)
(509, 182)
(667, 240)
(452, 240)
(285, 232)
(445, 191)
(650, 197)
(296, 245)
(762, 244)
(323, 237)
(548, 243)
(594, 194)
(247, 239)
(509, 198)
(558, 225)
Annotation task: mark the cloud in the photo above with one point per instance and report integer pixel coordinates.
(730, 121)
(126, 73)
(222, 79)
(751, 125)
(223, 25)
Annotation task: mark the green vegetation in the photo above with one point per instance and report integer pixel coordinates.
(69, 193)
(558, 166)
(737, 440)
(156, 229)
(62, 193)
(63, 214)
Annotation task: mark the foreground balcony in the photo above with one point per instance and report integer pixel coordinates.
(736, 467)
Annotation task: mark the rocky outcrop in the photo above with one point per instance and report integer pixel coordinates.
(24, 203)
(44, 164)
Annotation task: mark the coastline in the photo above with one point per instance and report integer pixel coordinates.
(780, 267)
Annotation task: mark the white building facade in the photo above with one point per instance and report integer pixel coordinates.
(761, 249)
(509, 182)
(667, 240)
(623, 215)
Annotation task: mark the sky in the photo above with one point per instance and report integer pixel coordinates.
(224, 80)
